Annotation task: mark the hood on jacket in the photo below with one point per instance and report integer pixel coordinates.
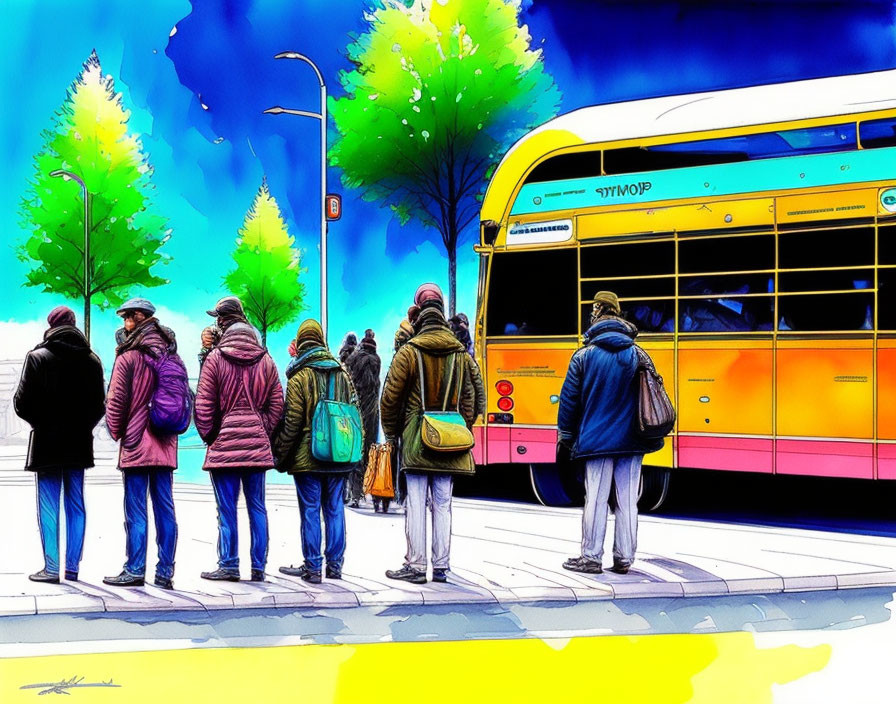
(150, 338)
(611, 333)
(240, 345)
(433, 335)
(314, 356)
(65, 339)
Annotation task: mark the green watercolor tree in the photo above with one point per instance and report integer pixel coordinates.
(439, 91)
(267, 271)
(89, 138)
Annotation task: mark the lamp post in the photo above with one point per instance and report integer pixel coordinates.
(322, 116)
(69, 176)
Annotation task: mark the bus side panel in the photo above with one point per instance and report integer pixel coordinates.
(825, 391)
(886, 408)
(537, 376)
(663, 356)
(725, 392)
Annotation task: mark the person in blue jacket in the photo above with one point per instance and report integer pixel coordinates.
(597, 423)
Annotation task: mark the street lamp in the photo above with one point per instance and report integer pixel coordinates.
(69, 176)
(322, 116)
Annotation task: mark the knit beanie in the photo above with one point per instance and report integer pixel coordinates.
(310, 332)
(61, 315)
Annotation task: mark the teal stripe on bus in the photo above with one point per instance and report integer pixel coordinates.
(708, 181)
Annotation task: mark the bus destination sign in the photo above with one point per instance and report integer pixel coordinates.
(539, 232)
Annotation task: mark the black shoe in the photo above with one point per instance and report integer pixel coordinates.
(310, 576)
(376, 506)
(257, 575)
(439, 575)
(407, 574)
(583, 564)
(334, 572)
(125, 579)
(620, 567)
(163, 582)
(354, 504)
(44, 576)
(385, 505)
(71, 576)
(221, 575)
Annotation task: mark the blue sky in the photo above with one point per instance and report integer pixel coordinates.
(171, 57)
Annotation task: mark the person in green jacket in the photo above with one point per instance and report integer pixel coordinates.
(318, 485)
(430, 352)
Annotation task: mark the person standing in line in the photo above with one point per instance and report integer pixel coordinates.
(61, 395)
(597, 422)
(147, 457)
(239, 401)
(460, 327)
(364, 369)
(423, 364)
(319, 486)
(349, 345)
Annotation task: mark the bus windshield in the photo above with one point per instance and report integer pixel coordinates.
(533, 293)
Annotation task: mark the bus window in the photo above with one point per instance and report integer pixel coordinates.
(878, 133)
(836, 280)
(886, 299)
(629, 259)
(708, 254)
(533, 293)
(886, 244)
(725, 150)
(648, 316)
(751, 314)
(830, 311)
(564, 166)
(721, 284)
(824, 248)
(659, 287)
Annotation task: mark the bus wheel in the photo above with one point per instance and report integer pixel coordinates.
(653, 489)
(556, 488)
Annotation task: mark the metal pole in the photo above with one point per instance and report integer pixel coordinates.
(322, 116)
(323, 209)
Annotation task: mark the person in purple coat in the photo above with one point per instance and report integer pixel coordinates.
(147, 458)
(239, 401)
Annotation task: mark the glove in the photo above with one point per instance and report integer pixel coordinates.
(564, 452)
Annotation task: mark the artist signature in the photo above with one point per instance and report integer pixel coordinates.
(62, 686)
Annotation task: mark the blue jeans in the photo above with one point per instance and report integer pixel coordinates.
(318, 490)
(50, 483)
(226, 483)
(159, 483)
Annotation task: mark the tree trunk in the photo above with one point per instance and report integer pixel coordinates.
(264, 336)
(452, 280)
(87, 318)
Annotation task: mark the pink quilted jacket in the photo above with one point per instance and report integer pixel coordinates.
(239, 402)
(127, 407)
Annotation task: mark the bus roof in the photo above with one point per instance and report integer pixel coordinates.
(693, 112)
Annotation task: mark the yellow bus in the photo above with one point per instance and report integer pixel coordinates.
(750, 235)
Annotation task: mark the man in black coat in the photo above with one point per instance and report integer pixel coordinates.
(61, 395)
(363, 366)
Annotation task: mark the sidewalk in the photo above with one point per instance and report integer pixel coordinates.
(502, 553)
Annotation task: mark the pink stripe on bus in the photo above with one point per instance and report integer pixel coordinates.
(726, 453)
(826, 458)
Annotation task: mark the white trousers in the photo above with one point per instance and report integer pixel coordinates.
(437, 488)
(600, 473)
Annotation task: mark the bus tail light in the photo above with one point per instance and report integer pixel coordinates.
(503, 418)
(504, 387)
(505, 403)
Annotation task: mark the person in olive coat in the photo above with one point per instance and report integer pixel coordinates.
(61, 395)
(319, 486)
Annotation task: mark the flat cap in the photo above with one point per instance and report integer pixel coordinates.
(140, 304)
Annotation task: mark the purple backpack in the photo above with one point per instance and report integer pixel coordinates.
(171, 405)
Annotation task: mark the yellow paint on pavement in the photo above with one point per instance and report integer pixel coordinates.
(659, 669)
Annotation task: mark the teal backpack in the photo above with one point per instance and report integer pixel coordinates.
(336, 434)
